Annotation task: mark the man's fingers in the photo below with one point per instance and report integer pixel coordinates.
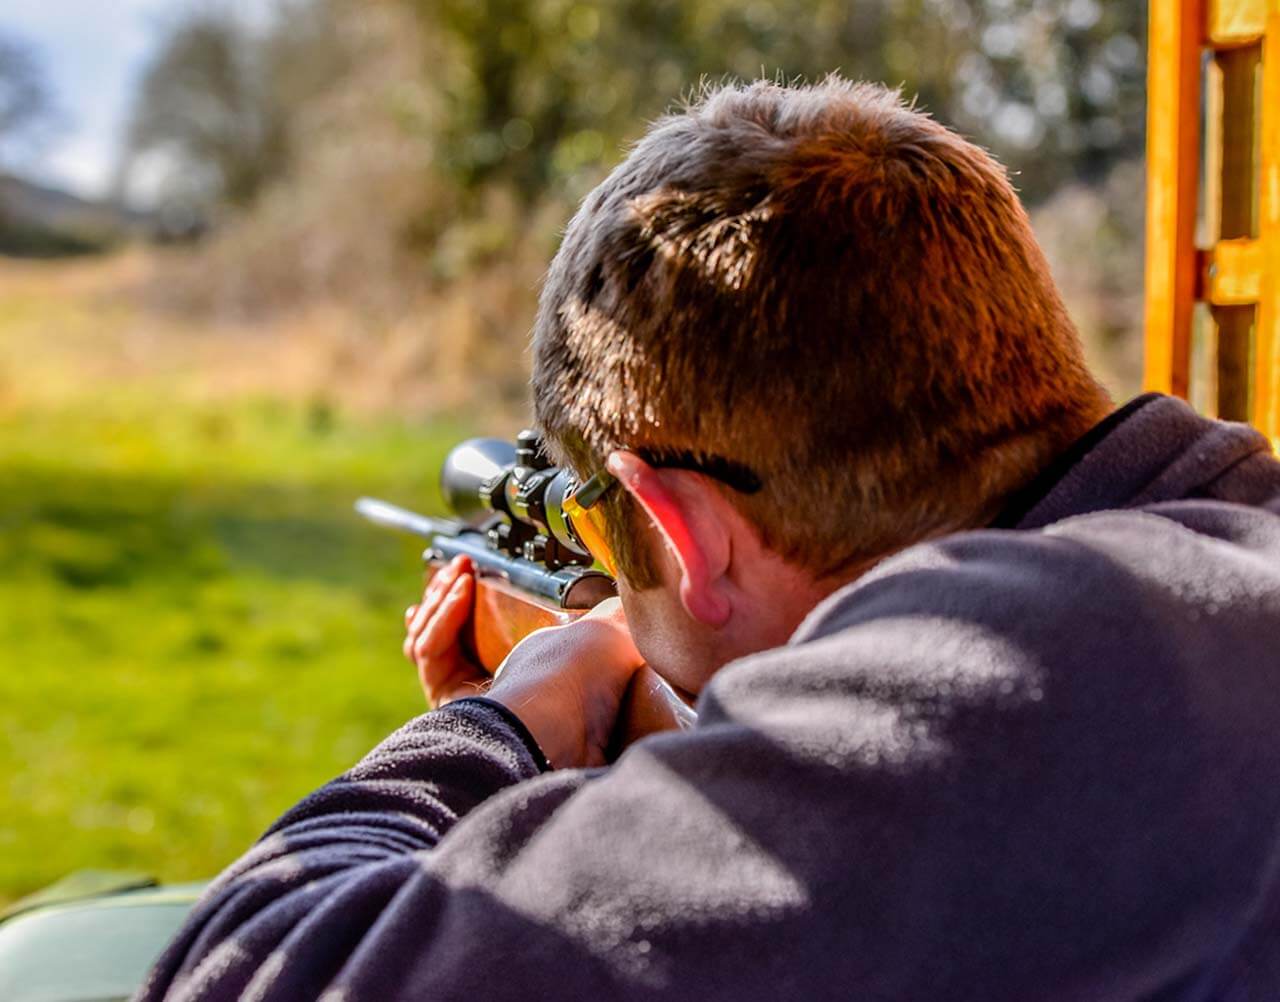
(422, 612)
(438, 580)
(418, 623)
(440, 583)
(447, 622)
(435, 592)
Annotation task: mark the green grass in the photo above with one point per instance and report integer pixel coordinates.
(195, 630)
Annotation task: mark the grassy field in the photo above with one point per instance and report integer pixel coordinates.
(194, 629)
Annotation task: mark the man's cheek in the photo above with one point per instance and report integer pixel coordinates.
(645, 623)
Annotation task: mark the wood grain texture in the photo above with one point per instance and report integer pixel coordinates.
(504, 616)
(1235, 22)
(1230, 205)
(1266, 394)
(1232, 273)
(1173, 161)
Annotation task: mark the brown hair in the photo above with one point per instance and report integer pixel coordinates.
(828, 287)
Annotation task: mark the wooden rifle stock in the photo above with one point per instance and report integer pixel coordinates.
(504, 615)
(514, 597)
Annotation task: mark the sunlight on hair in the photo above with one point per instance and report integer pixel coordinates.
(687, 230)
(825, 262)
(597, 343)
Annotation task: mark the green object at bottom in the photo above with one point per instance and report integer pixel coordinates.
(63, 946)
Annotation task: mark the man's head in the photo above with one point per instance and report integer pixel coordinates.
(828, 290)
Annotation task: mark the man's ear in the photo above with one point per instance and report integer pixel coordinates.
(689, 513)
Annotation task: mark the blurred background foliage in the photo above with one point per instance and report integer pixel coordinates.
(409, 156)
(318, 268)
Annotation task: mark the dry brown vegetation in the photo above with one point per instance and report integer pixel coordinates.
(369, 277)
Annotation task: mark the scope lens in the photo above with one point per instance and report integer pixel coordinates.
(587, 520)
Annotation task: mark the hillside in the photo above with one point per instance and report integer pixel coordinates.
(40, 221)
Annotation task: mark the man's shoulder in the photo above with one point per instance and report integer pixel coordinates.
(1128, 607)
(1127, 640)
(1162, 560)
(1072, 728)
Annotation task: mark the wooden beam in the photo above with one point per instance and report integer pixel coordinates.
(1231, 273)
(1234, 22)
(1232, 191)
(1173, 160)
(1266, 394)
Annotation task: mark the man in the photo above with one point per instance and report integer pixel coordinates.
(988, 678)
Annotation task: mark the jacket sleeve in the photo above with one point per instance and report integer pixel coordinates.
(332, 862)
(1004, 766)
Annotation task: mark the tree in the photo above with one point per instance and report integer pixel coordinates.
(535, 91)
(203, 112)
(26, 103)
(216, 105)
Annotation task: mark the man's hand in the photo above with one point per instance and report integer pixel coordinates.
(566, 683)
(432, 630)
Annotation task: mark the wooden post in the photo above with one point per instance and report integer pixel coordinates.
(1173, 161)
(1266, 393)
(1238, 272)
(1230, 204)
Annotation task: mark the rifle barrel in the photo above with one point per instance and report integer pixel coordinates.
(394, 517)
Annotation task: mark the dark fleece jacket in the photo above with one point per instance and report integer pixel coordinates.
(1034, 763)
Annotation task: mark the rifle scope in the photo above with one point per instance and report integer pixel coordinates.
(516, 495)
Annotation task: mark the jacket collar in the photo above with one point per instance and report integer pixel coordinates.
(1155, 448)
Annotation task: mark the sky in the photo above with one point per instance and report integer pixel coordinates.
(93, 52)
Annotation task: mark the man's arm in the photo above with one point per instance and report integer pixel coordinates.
(334, 861)
(1001, 767)
(411, 790)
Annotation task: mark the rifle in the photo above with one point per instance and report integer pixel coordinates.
(532, 571)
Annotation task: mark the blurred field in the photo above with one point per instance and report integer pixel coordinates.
(196, 630)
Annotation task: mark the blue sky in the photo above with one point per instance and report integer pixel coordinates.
(93, 51)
